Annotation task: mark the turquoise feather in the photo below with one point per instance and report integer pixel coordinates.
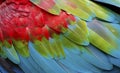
(96, 57)
(12, 54)
(112, 2)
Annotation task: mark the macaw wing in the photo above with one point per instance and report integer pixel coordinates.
(67, 39)
(84, 9)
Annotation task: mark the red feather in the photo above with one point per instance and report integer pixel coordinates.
(22, 20)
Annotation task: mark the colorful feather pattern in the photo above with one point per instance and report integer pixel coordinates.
(59, 36)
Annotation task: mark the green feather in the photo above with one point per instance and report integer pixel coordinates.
(102, 44)
(48, 6)
(103, 12)
(21, 47)
(77, 7)
(7, 44)
(77, 33)
(48, 46)
(41, 48)
(57, 45)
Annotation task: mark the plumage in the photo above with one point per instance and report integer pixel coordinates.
(59, 36)
(113, 2)
(11, 54)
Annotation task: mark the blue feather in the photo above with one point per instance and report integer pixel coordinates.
(48, 65)
(2, 70)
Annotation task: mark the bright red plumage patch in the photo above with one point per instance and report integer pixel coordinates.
(22, 20)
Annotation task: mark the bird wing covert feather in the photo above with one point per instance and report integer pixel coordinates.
(60, 36)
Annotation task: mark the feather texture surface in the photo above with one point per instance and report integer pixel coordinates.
(60, 36)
